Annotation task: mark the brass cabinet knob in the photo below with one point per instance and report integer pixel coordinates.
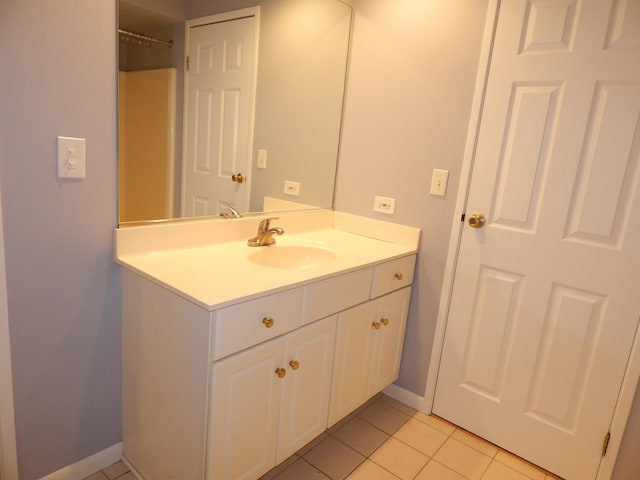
(268, 322)
(238, 177)
(385, 321)
(294, 364)
(477, 220)
(398, 276)
(376, 325)
(281, 372)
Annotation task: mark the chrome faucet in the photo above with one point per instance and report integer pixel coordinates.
(265, 234)
(232, 213)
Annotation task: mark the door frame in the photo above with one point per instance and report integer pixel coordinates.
(217, 18)
(8, 453)
(632, 374)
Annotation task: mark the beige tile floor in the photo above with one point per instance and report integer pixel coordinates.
(386, 440)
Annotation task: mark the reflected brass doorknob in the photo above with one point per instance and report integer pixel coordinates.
(477, 220)
(237, 177)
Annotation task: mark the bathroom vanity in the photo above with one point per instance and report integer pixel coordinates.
(234, 357)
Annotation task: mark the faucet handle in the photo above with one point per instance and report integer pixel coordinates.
(265, 224)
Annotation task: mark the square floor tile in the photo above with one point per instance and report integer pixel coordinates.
(476, 442)
(499, 471)
(437, 471)
(299, 470)
(463, 459)
(312, 444)
(116, 470)
(520, 465)
(334, 458)
(339, 424)
(435, 422)
(381, 415)
(278, 469)
(399, 458)
(96, 476)
(363, 437)
(371, 471)
(127, 476)
(421, 436)
(406, 409)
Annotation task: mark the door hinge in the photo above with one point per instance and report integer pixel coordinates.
(187, 63)
(462, 217)
(605, 443)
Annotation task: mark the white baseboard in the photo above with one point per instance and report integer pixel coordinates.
(132, 470)
(404, 396)
(89, 465)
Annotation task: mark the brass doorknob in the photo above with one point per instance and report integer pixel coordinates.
(237, 177)
(294, 364)
(268, 322)
(281, 372)
(477, 220)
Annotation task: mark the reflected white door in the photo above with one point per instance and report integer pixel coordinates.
(545, 301)
(219, 104)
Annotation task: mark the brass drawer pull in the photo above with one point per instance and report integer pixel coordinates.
(281, 372)
(385, 321)
(294, 364)
(398, 276)
(376, 325)
(268, 322)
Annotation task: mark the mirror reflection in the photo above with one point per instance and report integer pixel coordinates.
(229, 106)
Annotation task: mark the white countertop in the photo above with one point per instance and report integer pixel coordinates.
(221, 274)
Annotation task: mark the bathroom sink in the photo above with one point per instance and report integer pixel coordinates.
(291, 256)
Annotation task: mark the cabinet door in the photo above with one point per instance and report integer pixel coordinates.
(306, 387)
(354, 344)
(245, 401)
(392, 316)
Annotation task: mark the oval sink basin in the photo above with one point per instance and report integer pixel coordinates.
(291, 256)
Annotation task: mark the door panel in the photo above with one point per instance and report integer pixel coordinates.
(218, 115)
(305, 395)
(545, 305)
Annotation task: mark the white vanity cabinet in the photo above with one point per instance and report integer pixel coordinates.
(368, 351)
(269, 401)
(227, 393)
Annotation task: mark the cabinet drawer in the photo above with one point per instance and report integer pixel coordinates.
(247, 324)
(392, 275)
(324, 298)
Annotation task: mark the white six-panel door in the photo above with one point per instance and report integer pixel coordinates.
(219, 104)
(545, 301)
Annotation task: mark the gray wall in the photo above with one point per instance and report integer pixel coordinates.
(57, 72)
(410, 87)
(411, 83)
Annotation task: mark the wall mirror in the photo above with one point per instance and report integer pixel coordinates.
(182, 141)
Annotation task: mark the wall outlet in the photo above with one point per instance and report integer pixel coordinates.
(291, 188)
(384, 205)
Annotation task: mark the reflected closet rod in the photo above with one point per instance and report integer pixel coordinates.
(142, 40)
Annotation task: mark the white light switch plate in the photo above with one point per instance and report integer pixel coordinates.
(262, 159)
(439, 182)
(71, 157)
